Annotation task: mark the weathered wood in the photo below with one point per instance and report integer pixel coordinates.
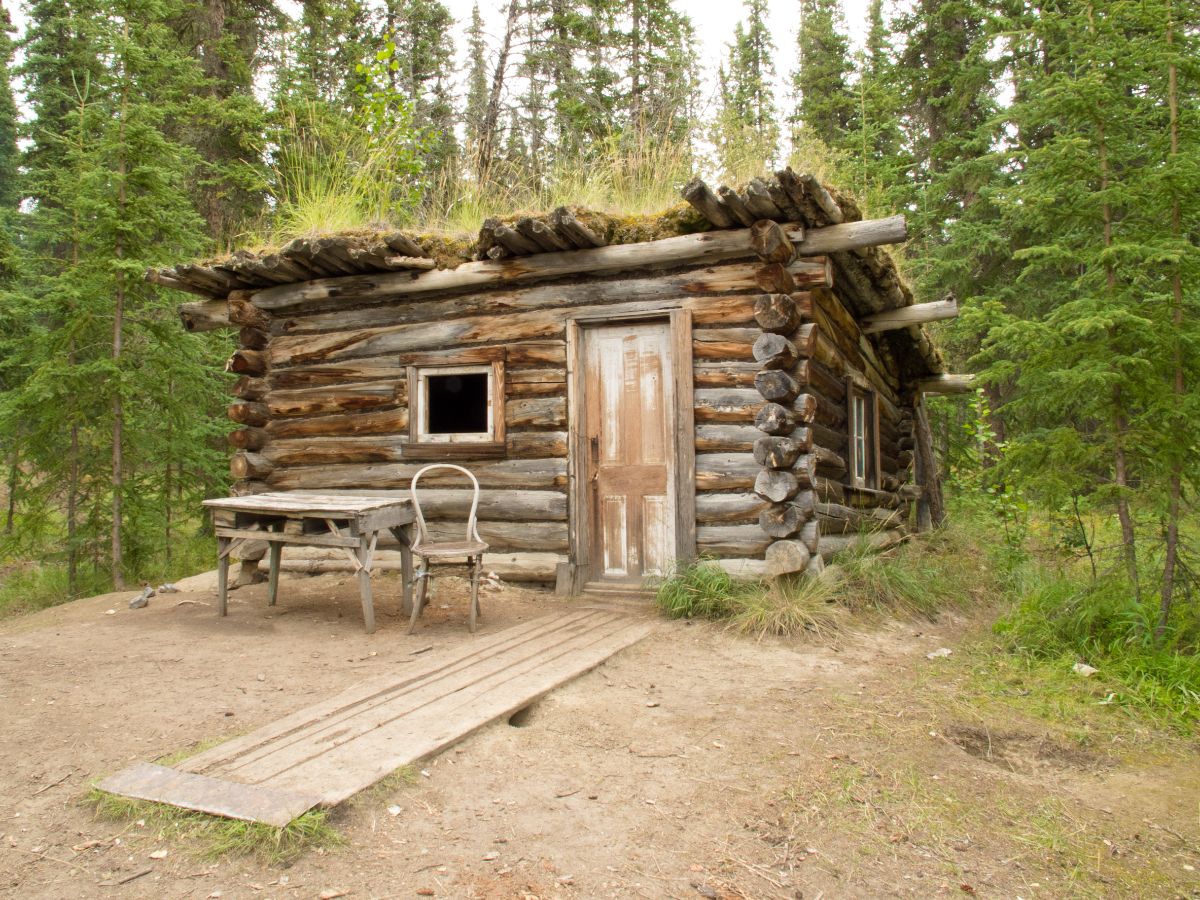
(828, 490)
(730, 405)
(810, 534)
(774, 418)
(250, 465)
(776, 386)
(758, 199)
(534, 474)
(740, 508)
(827, 459)
(249, 412)
(705, 202)
(253, 338)
(248, 438)
(248, 388)
(248, 362)
(786, 558)
(819, 195)
(776, 452)
(774, 351)
(833, 544)
(782, 520)
(776, 485)
(328, 399)
(947, 384)
(775, 278)
(735, 205)
(910, 315)
(723, 344)
(515, 242)
(726, 438)
(536, 412)
(931, 509)
(243, 312)
(731, 540)
(388, 421)
(853, 236)
(771, 242)
(725, 471)
(724, 374)
(207, 316)
(566, 224)
(777, 313)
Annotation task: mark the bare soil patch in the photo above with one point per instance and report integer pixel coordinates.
(694, 764)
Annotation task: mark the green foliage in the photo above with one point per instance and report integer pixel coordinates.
(215, 837)
(745, 131)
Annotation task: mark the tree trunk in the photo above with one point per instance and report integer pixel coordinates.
(491, 119)
(1175, 479)
(118, 411)
(1121, 479)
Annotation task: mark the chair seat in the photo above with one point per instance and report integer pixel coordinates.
(451, 548)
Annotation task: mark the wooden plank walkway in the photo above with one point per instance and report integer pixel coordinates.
(325, 753)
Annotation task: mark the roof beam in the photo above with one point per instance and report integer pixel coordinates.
(947, 384)
(917, 314)
(689, 249)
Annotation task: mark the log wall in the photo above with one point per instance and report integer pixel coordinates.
(323, 403)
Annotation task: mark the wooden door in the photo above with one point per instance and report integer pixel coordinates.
(629, 402)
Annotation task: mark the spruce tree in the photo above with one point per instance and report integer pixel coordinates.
(746, 133)
(825, 106)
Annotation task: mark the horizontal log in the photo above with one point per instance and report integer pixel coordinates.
(947, 384)
(917, 314)
(536, 412)
(209, 315)
(731, 540)
(837, 519)
(833, 544)
(737, 438)
(493, 329)
(854, 236)
(387, 421)
(324, 400)
(253, 338)
(743, 569)
(705, 248)
(311, 451)
(243, 312)
(532, 474)
(725, 471)
(732, 405)
(723, 344)
(740, 508)
(708, 374)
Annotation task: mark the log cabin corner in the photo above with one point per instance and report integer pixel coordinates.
(748, 389)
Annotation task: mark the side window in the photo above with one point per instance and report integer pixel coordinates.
(863, 431)
(455, 410)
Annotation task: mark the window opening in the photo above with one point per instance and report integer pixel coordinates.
(457, 404)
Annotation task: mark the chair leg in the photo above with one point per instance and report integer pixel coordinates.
(418, 603)
(475, 569)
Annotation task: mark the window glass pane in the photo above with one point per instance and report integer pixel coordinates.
(458, 404)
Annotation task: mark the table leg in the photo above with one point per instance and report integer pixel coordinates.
(273, 576)
(364, 583)
(223, 575)
(404, 536)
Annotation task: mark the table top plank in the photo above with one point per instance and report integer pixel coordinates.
(285, 503)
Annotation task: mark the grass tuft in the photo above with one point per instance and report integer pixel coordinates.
(216, 836)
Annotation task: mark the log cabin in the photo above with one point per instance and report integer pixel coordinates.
(747, 388)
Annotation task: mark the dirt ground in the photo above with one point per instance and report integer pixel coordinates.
(694, 764)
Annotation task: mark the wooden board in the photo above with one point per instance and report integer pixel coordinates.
(249, 802)
(326, 753)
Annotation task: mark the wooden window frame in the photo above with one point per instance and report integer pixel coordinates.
(868, 457)
(420, 444)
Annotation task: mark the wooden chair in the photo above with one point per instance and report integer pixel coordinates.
(471, 547)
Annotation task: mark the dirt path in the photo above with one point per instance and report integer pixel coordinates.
(695, 764)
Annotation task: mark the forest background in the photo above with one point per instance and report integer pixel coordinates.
(1047, 157)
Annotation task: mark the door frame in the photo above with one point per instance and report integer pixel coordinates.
(681, 440)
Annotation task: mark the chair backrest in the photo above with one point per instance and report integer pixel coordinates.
(422, 532)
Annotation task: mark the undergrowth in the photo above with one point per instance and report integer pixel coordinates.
(216, 836)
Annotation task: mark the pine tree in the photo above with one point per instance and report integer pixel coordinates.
(477, 84)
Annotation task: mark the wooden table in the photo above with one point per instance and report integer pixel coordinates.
(348, 521)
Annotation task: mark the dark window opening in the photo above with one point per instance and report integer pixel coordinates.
(457, 404)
